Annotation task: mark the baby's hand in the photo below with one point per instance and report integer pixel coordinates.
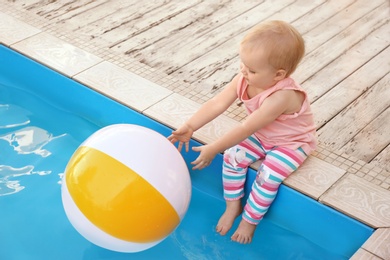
(205, 157)
(182, 135)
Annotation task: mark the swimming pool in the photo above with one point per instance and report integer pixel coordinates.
(44, 116)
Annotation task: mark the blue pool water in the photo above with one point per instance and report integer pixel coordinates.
(44, 117)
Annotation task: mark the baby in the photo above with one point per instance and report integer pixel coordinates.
(279, 127)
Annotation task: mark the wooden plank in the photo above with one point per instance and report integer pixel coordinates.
(337, 23)
(60, 11)
(352, 119)
(146, 22)
(208, 69)
(350, 61)
(193, 17)
(98, 12)
(334, 101)
(321, 14)
(374, 138)
(121, 20)
(27, 4)
(194, 23)
(336, 46)
(126, 20)
(48, 9)
(221, 75)
(194, 48)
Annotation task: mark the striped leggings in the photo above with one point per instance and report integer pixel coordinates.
(278, 164)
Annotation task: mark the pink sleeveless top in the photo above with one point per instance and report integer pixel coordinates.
(290, 131)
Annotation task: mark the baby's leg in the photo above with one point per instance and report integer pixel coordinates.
(232, 211)
(277, 166)
(259, 200)
(235, 166)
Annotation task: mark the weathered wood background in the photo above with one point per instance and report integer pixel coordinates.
(345, 70)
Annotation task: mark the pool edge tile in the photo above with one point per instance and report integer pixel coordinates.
(56, 54)
(314, 177)
(379, 243)
(176, 109)
(362, 254)
(360, 199)
(13, 30)
(122, 85)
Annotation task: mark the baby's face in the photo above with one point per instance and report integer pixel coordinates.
(256, 69)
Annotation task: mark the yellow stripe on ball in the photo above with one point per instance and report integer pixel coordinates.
(118, 200)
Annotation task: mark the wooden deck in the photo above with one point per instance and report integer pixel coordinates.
(345, 70)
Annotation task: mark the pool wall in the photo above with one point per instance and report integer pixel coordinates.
(291, 210)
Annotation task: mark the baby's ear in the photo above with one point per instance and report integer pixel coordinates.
(280, 74)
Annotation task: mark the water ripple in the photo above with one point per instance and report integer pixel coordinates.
(9, 184)
(30, 140)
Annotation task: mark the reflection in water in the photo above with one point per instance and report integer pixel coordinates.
(9, 184)
(30, 140)
(61, 175)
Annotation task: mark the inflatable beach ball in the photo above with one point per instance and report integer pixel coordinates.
(126, 188)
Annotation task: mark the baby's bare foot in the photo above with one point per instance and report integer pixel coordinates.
(233, 210)
(244, 232)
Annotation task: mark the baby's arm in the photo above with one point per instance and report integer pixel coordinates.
(272, 107)
(207, 112)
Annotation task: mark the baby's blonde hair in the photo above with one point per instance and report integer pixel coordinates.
(284, 44)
